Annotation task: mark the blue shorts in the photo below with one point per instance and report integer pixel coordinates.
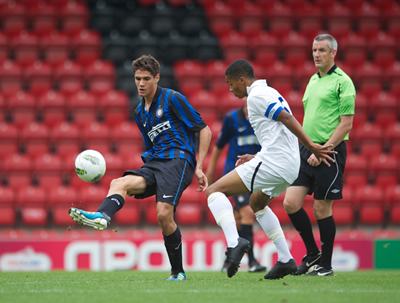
(166, 178)
(241, 200)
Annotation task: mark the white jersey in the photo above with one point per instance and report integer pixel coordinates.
(279, 146)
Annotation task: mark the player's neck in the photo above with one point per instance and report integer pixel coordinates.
(326, 70)
(149, 99)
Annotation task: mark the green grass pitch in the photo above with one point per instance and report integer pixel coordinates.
(136, 286)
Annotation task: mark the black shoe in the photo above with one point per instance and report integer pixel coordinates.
(281, 269)
(256, 267)
(306, 264)
(235, 255)
(317, 270)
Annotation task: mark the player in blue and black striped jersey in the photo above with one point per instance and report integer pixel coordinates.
(238, 133)
(168, 124)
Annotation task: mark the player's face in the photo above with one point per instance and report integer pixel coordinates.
(237, 87)
(146, 83)
(323, 56)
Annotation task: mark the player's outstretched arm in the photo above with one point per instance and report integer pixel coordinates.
(294, 126)
(204, 144)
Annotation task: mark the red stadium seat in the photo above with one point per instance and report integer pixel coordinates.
(151, 214)
(8, 216)
(356, 170)
(74, 17)
(25, 48)
(4, 48)
(392, 138)
(191, 196)
(277, 207)
(11, 79)
(234, 46)
(362, 110)
(22, 107)
(309, 20)
(56, 48)
(48, 170)
(87, 46)
(369, 200)
(303, 72)
(294, 99)
(60, 216)
(384, 48)
(129, 215)
(97, 136)
(369, 139)
(100, 76)
(227, 102)
(354, 49)
(65, 196)
(189, 214)
(353, 233)
(52, 107)
(31, 196)
(66, 138)
(265, 47)
(215, 70)
(36, 138)
(385, 170)
(13, 17)
(221, 18)
(392, 201)
(83, 107)
(393, 78)
(127, 138)
(9, 136)
(190, 75)
(343, 210)
(296, 49)
(391, 15)
(18, 169)
(368, 19)
(115, 105)
(44, 234)
(203, 100)
(280, 76)
(370, 78)
(339, 20)
(44, 17)
(280, 19)
(251, 17)
(39, 76)
(93, 196)
(385, 234)
(385, 108)
(69, 77)
(34, 216)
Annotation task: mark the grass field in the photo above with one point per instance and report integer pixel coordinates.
(135, 286)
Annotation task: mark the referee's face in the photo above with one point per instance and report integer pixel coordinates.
(324, 58)
(237, 87)
(146, 83)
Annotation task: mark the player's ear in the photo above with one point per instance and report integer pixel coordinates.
(157, 78)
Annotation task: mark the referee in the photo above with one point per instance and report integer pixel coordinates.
(329, 102)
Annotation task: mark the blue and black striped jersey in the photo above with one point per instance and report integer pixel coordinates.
(169, 128)
(237, 131)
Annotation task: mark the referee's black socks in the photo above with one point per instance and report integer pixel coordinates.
(111, 205)
(173, 244)
(302, 224)
(327, 231)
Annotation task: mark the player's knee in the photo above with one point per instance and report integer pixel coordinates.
(117, 184)
(290, 206)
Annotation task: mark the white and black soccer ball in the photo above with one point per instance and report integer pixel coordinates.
(90, 165)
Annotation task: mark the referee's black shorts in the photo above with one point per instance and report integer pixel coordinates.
(165, 178)
(325, 182)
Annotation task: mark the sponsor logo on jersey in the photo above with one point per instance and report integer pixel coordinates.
(158, 129)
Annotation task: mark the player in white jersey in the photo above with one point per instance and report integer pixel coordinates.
(267, 174)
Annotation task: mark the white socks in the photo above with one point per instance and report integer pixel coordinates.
(271, 226)
(222, 210)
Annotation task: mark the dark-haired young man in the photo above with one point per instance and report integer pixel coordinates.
(266, 174)
(329, 103)
(168, 124)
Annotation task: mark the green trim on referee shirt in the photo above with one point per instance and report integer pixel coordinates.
(325, 100)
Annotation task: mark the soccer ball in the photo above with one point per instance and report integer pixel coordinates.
(90, 165)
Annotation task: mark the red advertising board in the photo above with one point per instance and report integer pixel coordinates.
(148, 253)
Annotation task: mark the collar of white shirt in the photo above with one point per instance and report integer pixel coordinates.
(262, 82)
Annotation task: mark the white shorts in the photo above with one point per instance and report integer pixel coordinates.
(257, 175)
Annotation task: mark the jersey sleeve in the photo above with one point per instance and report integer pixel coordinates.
(346, 97)
(268, 106)
(186, 113)
(226, 132)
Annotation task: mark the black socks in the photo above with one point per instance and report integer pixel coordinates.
(327, 230)
(173, 244)
(302, 224)
(246, 232)
(111, 205)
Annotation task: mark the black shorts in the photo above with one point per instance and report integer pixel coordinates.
(325, 182)
(167, 179)
(241, 200)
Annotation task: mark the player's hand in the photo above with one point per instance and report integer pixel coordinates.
(243, 159)
(201, 179)
(322, 152)
(314, 161)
